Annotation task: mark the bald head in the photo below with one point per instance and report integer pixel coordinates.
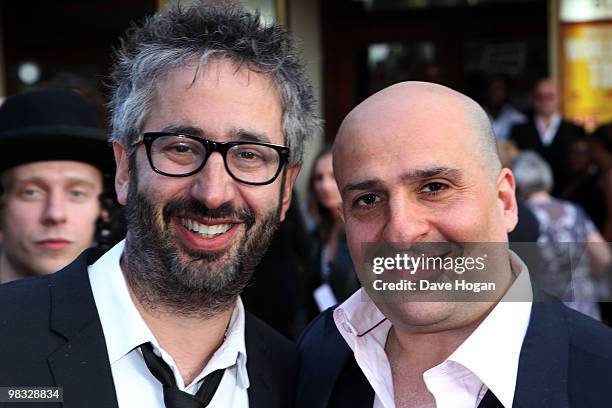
(405, 108)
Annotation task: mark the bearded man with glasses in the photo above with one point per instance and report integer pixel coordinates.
(210, 110)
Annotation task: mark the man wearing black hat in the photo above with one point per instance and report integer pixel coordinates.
(53, 154)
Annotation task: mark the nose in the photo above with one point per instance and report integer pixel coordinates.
(407, 222)
(213, 186)
(55, 209)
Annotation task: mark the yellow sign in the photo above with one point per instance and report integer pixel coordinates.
(586, 71)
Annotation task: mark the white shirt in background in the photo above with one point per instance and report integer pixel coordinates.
(547, 134)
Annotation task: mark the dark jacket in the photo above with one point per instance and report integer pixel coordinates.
(557, 154)
(565, 361)
(341, 276)
(51, 335)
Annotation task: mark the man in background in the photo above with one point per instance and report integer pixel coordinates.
(547, 133)
(53, 156)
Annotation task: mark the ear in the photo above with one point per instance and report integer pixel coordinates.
(122, 176)
(290, 177)
(507, 199)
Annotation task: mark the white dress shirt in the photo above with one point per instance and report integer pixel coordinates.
(547, 134)
(125, 330)
(487, 359)
(502, 125)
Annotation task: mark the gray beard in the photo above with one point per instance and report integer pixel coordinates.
(166, 276)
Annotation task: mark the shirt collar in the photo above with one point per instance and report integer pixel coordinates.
(125, 330)
(359, 315)
(547, 135)
(365, 330)
(491, 352)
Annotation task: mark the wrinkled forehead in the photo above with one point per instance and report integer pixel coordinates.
(219, 99)
(432, 131)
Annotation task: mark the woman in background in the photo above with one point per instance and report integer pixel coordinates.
(574, 252)
(331, 262)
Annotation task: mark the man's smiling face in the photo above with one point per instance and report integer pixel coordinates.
(207, 230)
(410, 170)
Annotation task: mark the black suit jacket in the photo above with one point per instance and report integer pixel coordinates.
(51, 335)
(565, 361)
(557, 154)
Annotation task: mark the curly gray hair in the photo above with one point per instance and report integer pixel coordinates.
(177, 36)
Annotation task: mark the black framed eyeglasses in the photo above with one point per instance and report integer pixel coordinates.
(180, 155)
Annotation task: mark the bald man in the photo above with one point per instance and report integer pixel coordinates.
(418, 171)
(548, 133)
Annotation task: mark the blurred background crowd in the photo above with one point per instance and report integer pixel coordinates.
(523, 60)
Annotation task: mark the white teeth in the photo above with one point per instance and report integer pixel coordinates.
(206, 231)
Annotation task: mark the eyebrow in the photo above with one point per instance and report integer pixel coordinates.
(236, 133)
(78, 181)
(183, 130)
(68, 181)
(431, 172)
(250, 135)
(362, 185)
(416, 174)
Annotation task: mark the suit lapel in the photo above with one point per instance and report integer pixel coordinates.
(81, 366)
(331, 349)
(490, 401)
(352, 388)
(528, 136)
(261, 391)
(543, 363)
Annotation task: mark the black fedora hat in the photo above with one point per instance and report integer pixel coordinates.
(52, 124)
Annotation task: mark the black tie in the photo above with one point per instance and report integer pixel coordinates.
(173, 397)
